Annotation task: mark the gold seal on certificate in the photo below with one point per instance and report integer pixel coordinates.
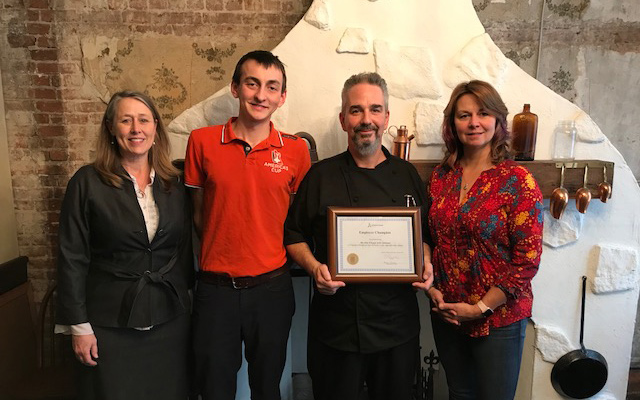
(352, 258)
(376, 244)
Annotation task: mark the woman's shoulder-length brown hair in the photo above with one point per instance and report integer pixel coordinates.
(108, 157)
(491, 102)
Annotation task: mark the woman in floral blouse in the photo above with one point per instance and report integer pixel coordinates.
(486, 221)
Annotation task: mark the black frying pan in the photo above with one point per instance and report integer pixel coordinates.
(580, 373)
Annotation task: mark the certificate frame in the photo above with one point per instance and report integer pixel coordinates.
(409, 244)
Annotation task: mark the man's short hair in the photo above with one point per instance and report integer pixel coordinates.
(371, 78)
(264, 58)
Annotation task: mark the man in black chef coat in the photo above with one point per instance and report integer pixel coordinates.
(358, 333)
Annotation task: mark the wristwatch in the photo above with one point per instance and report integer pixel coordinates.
(486, 311)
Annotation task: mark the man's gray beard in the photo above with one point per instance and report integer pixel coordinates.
(370, 148)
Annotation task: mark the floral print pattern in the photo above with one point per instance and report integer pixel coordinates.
(492, 238)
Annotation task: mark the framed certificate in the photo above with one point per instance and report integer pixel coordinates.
(375, 244)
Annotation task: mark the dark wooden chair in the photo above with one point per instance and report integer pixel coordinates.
(311, 145)
(53, 377)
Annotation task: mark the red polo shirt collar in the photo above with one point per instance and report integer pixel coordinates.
(228, 136)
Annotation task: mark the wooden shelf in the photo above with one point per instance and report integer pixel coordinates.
(547, 173)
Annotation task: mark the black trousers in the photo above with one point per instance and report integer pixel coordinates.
(223, 318)
(340, 375)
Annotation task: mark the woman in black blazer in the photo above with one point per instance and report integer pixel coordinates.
(125, 263)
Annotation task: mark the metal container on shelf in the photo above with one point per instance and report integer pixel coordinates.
(402, 142)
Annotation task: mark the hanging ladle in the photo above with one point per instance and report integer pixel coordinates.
(559, 198)
(604, 189)
(583, 195)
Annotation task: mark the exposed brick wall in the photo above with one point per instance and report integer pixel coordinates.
(53, 114)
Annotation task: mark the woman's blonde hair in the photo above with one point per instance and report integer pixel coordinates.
(108, 157)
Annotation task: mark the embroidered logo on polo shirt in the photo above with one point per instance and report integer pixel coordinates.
(276, 166)
(276, 157)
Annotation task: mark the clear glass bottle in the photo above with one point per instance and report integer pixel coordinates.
(564, 140)
(525, 130)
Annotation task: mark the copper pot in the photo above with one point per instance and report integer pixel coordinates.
(604, 189)
(583, 195)
(559, 198)
(401, 142)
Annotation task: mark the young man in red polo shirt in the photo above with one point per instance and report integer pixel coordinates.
(242, 175)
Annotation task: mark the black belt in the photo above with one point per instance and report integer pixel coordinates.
(240, 282)
(140, 280)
